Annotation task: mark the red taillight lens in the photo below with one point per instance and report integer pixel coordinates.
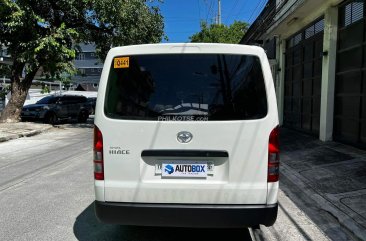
(273, 156)
(98, 154)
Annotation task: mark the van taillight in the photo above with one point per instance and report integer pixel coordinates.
(273, 156)
(98, 154)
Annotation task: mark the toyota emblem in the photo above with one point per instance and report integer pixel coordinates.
(184, 137)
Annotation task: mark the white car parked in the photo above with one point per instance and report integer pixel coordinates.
(186, 135)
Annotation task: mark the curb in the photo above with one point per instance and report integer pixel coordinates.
(8, 138)
(25, 134)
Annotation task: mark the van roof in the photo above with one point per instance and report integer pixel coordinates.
(162, 48)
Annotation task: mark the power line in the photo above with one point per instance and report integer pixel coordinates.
(209, 12)
(179, 31)
(242, 7)
(207, 7)
(184, 17)
(259, 3)
(233, 7)
(199, 9)
(239, 13)
(260, 9)
(183, 20)
(219, 12)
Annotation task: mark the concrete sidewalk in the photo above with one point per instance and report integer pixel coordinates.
(327, 180)
(9, 131)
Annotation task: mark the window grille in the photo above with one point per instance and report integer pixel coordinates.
(352, 12)
(319, 26)
(297, 39)
(309, 32)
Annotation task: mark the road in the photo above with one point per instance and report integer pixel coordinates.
(46, 193)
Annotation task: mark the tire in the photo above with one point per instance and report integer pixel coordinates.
(256, 227)
(51, 118)
(83, 117)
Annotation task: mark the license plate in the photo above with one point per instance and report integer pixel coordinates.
(184, 169)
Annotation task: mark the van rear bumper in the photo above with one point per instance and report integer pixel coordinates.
(186, 215)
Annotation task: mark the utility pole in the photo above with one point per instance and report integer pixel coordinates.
(219, 13)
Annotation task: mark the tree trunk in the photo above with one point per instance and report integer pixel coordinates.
(19, 91)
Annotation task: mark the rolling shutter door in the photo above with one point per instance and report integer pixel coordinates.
(303, 79)
(350, 85)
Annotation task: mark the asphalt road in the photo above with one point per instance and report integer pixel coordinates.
(46, 193)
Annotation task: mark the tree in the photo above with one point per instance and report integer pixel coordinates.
(45, 89)
(219, 33)
(5, 70)
(41, 35)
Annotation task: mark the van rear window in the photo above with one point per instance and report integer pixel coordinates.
(186, 87)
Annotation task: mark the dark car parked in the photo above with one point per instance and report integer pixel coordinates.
(53, 108)
(92, 101)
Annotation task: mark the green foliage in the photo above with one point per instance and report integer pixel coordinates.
(4, 91)
(43, 33)
(45, 89)
(65, 79)
(126, 23)
(216, 33)
(5, 70)
(66, 82)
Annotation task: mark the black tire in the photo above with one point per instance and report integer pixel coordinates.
(51, 118)
(83, 117)
(257, 227)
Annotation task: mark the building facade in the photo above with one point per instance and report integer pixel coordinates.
(89, 68)
(317, 50)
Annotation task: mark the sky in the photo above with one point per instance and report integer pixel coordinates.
(182, 17)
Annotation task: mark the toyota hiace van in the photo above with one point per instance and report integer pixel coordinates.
(186, 135)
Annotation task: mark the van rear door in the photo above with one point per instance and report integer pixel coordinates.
(187, 128)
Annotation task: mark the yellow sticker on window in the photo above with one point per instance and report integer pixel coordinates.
(123, 62)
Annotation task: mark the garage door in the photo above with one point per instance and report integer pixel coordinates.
(303, 79)
(350, 86)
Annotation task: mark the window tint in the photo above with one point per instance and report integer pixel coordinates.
(69, 99)
(66, 100)
(187, 87)
(48, 100)
(80, 99)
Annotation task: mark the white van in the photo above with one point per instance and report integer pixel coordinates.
(186, 135)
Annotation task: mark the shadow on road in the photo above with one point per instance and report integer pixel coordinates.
(88, 228)
(74, 124)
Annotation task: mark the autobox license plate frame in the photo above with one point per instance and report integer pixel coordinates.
(184, 169)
